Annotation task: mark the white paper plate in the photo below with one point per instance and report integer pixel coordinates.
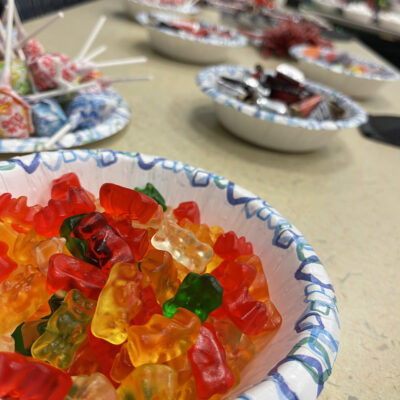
(184, 46)
(112, 125)
(299, 359)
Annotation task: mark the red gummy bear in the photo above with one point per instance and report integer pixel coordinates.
(137, 239)
(6, 264)
(228, 246)
(121, 201)
(104, 352)
(60, 186)
(233, 274)
(208, 360)
(68, 273)
(248, 315)
(189, 210)
(148, 308)
(24, 378)
(16, 212)
(48, 220)
(103, 242)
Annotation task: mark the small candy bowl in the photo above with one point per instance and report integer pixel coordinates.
(299, 357)
(329, 6)
(359, 12)
(135, 7)
(390, 21)
(190, 41)
(361, 79)
(269, 129)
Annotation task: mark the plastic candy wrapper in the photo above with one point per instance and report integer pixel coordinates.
(277, 41)
(283, 92)
(86, 292)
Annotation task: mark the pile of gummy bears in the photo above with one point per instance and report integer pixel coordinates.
(122, 297)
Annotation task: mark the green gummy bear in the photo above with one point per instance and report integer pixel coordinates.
(76, 246)
(65, 331)
(200, 294)
(19, 341)
(152, 192)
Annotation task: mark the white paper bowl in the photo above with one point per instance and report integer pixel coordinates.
(184, 46)
(329, 6)
(274, 131)
(389, 21)
(359, 13)
(135, 7)
(358, 85)
(300, 357)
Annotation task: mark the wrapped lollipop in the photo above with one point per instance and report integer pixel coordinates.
(19, 71)
(84, 111)
(44, 65)
(15, 117)
(48, 117)
(90, 107)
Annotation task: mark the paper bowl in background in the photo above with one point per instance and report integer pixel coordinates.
(328, 6)
(358, 12)
(300, 357)
(184, 46)
(390, 21)
(268, 129)
(358, 85)
(135, 7)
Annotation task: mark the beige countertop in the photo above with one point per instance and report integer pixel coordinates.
(344, 198)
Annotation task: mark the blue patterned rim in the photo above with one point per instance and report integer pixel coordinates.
(207, 81)
(382, 73)
(237, 39)
(182, 9)
(299, 375)
(112, 125)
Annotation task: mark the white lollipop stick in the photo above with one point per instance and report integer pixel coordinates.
(5, 79)
(18, 23)
(95, 53)
(58, 92)
(56, 137)
(110, 81)
(112, 63)
(2, 37)
(91, 38)
(21, 34)
(38, 30)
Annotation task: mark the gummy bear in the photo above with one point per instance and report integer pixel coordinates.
(66, 330)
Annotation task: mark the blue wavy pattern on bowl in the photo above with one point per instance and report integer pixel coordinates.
(207, 82)
(112, 125)
(381, 72)
(237, 40)
(317, 329)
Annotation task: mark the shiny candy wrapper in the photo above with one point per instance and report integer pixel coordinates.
(321, 112)
(48, 117)
(32, 50)
(87, 110)
(19, 77)
(15, 115)
(44, 71)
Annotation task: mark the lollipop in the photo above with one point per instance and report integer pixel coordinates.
(85, 111)
(48, 117)
(15, 118)
(44, 66)
(19, 71)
